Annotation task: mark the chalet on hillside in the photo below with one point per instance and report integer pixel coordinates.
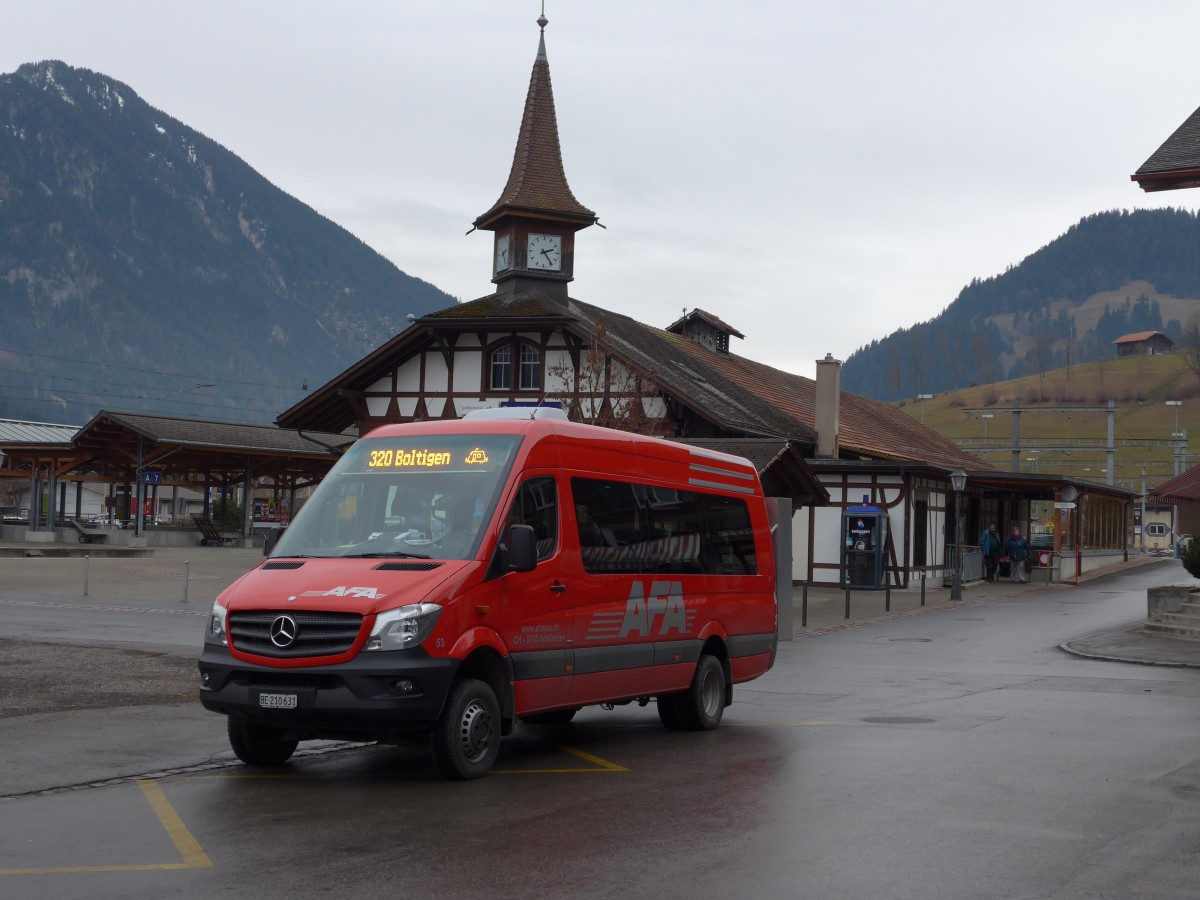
(1145, 343)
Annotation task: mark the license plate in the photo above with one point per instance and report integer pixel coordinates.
(278, 701)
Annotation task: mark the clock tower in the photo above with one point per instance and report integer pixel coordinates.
(536, 217)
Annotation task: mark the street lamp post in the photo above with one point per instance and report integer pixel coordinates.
(958, 481)
(923, 398)
(1175, 436)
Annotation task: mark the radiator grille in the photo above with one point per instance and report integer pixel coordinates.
(314, 633)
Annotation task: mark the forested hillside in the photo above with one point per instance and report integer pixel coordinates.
(144, 266)
(1111, 274)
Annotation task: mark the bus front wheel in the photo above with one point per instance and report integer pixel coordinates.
(466, 739)
(260, 745)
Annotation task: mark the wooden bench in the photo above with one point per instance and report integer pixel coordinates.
(87, 535)
(209, 533)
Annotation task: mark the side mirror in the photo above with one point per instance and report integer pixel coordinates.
(522, 549)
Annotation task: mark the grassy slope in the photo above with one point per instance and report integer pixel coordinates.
(1138, 385)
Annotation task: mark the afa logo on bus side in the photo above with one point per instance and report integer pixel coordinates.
(655, 613)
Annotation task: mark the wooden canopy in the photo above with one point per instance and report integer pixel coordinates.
(118, 446)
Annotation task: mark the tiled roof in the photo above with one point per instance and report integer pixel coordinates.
(866, 427)
(525, 305)
(1176, 164)
(537, 181)
(668, 360)
(231, 436)
(1138, 337)
(1181, 487)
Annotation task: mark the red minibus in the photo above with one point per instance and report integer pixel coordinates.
(449, 578)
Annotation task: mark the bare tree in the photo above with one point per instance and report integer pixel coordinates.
(600, 389)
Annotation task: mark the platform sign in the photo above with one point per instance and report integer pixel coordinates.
(152, 476)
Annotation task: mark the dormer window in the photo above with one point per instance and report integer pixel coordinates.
(706, 330)
(528, 367)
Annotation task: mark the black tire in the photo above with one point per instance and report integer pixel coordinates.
(668, 712)
(553, 717)
(260, 745)
(703, 703)
(466, 739)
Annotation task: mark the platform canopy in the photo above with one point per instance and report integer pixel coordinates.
(119, 446)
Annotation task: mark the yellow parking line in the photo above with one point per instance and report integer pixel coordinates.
(600, 765)
(189, 848)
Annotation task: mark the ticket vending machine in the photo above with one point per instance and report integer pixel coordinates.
(864, 539)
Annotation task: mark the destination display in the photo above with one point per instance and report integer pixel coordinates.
(430, 454)
(408, 459)
(403, 458)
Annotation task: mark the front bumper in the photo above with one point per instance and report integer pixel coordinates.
(358, 700)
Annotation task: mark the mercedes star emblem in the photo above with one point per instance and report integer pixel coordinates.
(283, 631)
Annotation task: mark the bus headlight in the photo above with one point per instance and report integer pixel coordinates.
(215, 632)
(399, 629)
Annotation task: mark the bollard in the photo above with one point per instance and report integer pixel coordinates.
(922, 587)
(804, 607)
(87, 562)
(847, 598)
(186, 567)
(887, 591)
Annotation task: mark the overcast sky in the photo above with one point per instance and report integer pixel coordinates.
(815, 174)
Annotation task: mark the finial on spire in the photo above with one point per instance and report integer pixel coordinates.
(542, 23)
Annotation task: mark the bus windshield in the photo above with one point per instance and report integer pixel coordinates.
(414, 495)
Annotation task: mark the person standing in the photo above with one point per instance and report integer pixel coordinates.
(1018, 556)
(991, 545)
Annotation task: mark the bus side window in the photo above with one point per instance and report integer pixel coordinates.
(536, 504)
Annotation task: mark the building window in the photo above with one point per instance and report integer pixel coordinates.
(529, 368)
(502, 369)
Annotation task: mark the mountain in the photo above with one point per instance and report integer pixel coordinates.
(144, 266)
(1111, 274)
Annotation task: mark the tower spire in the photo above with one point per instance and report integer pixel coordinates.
(537, 183)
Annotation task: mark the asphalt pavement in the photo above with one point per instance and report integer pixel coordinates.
(827, 608)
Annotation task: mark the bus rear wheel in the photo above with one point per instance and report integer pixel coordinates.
(703, 704)
(466, 739)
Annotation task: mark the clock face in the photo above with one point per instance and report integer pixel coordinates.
(502, 253)
(544, 252)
